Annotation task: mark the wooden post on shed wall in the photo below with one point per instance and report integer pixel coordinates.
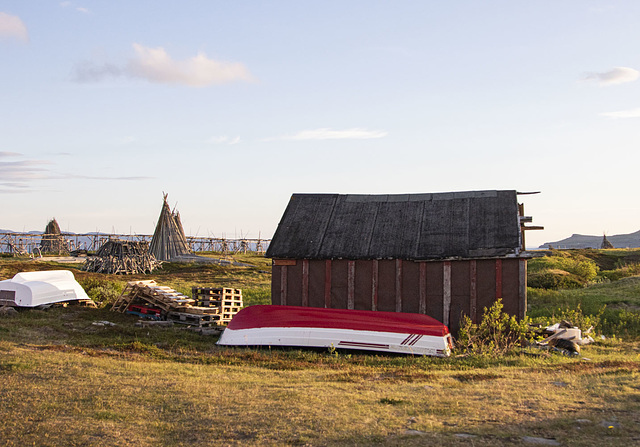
(305, 282)
(473, 291)
(422, 306)
(398, 285)
(351, 284)
(522, 308)
(498, 279)
(327, 283)
(446, 291)
(283, 285)
(374, 285)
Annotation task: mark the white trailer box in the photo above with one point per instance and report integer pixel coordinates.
(32, 289)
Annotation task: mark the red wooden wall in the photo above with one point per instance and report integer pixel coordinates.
(444, 290)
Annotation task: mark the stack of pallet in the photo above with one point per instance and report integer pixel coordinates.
(148, 298)
(226, 300)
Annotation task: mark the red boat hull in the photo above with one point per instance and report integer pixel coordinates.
(271, 325)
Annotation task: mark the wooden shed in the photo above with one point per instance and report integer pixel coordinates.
(441, 254)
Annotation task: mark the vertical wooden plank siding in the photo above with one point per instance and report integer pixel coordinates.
(351, 284)
(398, 285)
(473, 291)
(283, 285)
(305, 282)
(446, 291)
(498, 279)
(422, 306)
(435, 288)
(374, 285)
(327, 283)
(522, 309)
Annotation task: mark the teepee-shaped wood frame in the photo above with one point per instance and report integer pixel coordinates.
(52, 239)
(605, 243)
(169, 240)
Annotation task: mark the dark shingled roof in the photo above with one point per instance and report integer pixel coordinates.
(407, 226)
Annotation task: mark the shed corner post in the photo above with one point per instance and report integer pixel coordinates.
(522, 305)
(446, 292)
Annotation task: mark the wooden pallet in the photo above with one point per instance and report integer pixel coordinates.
(195, 320)
(215, 291)
(220, 303)
(202, 310)
(149, 291)
(217, 297)
(127, 296)
(218, 307)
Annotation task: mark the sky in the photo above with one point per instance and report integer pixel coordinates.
(230, 107)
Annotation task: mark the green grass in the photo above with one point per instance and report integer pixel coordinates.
(66, 381)
(562, 269)
(597, 287)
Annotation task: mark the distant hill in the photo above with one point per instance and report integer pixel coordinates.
(631, 240)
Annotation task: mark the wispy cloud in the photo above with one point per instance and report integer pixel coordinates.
(11, 27)
(22, 176)
(223, 140)
(81, 9)
(632, 113)
(19, 176)
(9, 154)
(355, 133)
(92, 177)
(91, 72)
(13, 188)
(157, 66)
(619, 75)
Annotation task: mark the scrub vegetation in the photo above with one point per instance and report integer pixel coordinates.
(601, 285)
(67, 381)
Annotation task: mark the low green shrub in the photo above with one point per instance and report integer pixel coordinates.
(561, 270)
(102, 291)
(497, 334)
(574, 315)
(579, 265)
(621, 323)
(620, 271)
(554, 280)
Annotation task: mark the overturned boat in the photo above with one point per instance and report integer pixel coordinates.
(37, 289)
(272, 325)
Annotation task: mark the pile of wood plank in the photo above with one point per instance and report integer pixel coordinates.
(150, 300)
(122, 257)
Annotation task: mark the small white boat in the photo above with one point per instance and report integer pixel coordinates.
(33, 289)
(271, 325)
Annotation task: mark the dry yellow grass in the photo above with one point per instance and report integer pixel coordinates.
(57, 395)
